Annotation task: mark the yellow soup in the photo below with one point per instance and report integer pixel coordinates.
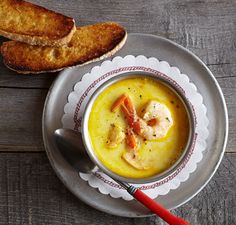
(158, 154)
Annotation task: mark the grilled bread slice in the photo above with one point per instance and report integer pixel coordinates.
(35, 25)
(88, 44)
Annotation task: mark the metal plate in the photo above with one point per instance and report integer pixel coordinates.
(199, 74)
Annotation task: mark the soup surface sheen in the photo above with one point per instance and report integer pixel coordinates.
(159, 154)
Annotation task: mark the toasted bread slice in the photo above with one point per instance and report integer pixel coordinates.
(88, 44)
(35, 25)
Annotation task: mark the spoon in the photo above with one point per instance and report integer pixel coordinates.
(72, 149)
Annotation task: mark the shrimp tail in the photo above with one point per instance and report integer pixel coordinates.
(118, 102)
(131, 139)
(131, 115)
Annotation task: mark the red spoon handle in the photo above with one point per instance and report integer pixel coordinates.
(158, 209)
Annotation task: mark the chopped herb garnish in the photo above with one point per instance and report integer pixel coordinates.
(167, 119)
(140, 96)
(129, 88)
(154, 135)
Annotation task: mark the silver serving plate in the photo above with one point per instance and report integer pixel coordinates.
(199, 74)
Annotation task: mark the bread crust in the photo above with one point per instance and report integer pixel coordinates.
(33, 24)
(89, 44)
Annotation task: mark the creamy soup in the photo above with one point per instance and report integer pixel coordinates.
(138, 127)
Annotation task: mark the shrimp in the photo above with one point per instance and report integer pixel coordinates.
(158, 121)
(132, 158)
(116, 136)
(131, 139)
(154, 123)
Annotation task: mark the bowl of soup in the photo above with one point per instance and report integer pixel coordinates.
(138, 127)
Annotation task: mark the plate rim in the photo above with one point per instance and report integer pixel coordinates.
(220, 156)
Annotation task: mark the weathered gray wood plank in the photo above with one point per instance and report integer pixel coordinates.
(208, 28)
(21, 113)
(30, 193)
(20, 119)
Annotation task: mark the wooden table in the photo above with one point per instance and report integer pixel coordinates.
(30, 192)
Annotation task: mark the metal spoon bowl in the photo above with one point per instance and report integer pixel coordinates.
(72, 149)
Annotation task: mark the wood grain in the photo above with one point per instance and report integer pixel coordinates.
(30, 193)
(20, 119)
